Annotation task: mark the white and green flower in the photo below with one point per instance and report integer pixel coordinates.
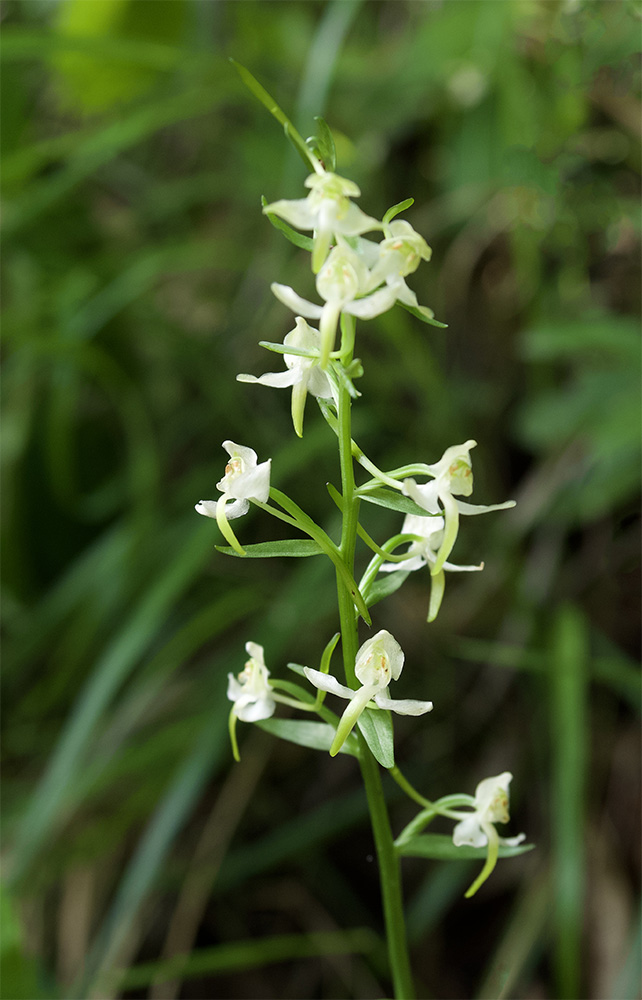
(343, 282)
(379, 660)
(251, 693)
(424, 551)
(244, 480)
(327, 210)
(453, 475)
(477, 828)
(303, 375)
(250, 690)
(396, 256)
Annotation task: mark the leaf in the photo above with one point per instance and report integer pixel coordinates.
(299, 240)
(315, 735)
(268, 102)
(383, 586)
(440, 847)
(401, 206)
(286, 349)
(331, 550)
(376, 729)
(296, 668)
(422, 316)
(324, 142)
(286, 547)
(345, 376)
(394, 501)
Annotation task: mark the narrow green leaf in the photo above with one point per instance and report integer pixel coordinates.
(268, 102)
(324, 142)
(286, 547)
(296, 668)
(570, 751)
(345, 376)
(299, 240)
(385, 585)
(376, 729)
(440, 847)
(396, 209)
(308, 525)
(393, 501)
(422, 316)
(315, 735)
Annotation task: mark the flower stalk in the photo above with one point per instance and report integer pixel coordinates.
(359, 278)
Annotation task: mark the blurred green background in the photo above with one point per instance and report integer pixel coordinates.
(139, 860)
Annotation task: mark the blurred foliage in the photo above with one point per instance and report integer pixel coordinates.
(136, 286)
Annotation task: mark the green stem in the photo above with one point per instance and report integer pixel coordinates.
(389, 868)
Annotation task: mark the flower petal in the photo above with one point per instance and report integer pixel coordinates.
(403, 706)
(278, 380)
(289, 298)
(296, 211)
(326, 682)
(469, 832)
(372, 305)
(473, 508)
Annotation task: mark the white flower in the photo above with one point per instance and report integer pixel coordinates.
(378, 661)
(477, 829)
(398, 255)
(341, 281)
(423, 552)
(304, 374)
(452, 475)
(244, 480)
(328, 210)
(251, 691)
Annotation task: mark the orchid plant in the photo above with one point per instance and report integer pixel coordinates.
(356, 278)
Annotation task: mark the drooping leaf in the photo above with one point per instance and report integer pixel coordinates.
(422, 316)
(315, 735)
(440, 847)
(286, 547)
(299, 240)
